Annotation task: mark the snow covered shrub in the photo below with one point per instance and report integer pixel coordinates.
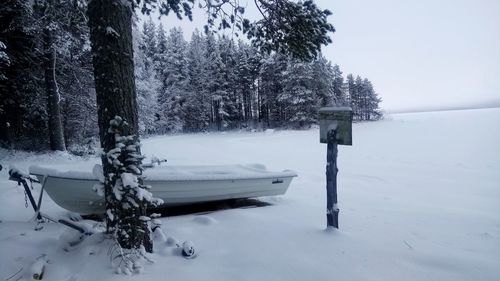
(86, 148)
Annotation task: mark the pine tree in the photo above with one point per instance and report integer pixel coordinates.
(75, 79)
(48, 39)
(23, 118)
(55, 44)
(214, 69)
(339, 92)
(272, 79)
(296, 29)
(5, 138)
(160, 56)
(174, 78)
(245, 80)
(255, 64)
(353, 95)
(148, 45)
(363, 99)
(360, 98)
(372, 111)
(49, 15)
(198, 106)
(323, 81)
(297, 97)
(4, 61)
(230, 100)
(78, 105)
(145, 78)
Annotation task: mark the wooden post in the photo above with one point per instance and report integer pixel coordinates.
(332, 210)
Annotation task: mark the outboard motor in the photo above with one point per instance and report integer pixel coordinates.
(17, 175)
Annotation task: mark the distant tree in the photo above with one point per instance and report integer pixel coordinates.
(230, 98)
(147, 44)
(363, 99)
(4, 61)
(22, 113)
(78, 104)
(75, 80)
(146, 79)
(372, 111)
(46, 41)
(339, 93)
(48, 15)
(323, 77)
(198, 106)
(215, 79)
(254, 62)
(271, 109)
(246, 76)
(159, 56)
(354, 100)
(5, 138)
(298, 96)
(174, 80)
(360, 98)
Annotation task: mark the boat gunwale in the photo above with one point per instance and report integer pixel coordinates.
(176, 180)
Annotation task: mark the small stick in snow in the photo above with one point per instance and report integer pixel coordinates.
(408, 245)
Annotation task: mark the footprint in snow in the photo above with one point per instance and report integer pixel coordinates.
(204, 219)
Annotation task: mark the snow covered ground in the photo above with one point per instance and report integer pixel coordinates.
(419, 196)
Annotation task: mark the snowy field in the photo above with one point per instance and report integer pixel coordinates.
(419, 198)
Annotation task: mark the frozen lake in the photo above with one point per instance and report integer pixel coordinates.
(419, 198)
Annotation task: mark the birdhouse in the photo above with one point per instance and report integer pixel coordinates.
(336, 118)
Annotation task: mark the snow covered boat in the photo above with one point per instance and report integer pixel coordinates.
(176, 185)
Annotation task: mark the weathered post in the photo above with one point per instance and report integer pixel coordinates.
(335, 128)
(332, 210)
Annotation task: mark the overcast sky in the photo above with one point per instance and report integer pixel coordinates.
(418, 54)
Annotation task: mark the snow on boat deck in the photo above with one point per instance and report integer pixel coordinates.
(174, 173)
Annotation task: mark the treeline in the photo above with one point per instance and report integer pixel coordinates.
(209, 83)
(214, 83)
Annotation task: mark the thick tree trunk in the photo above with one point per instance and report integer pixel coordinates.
(56, 135)
(110, 23)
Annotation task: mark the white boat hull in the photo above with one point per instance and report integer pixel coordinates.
(76, 194)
